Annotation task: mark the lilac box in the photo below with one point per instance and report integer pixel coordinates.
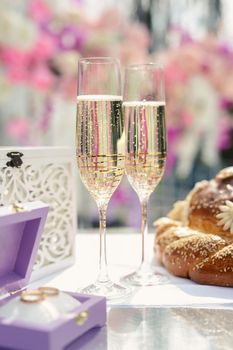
(20, 234)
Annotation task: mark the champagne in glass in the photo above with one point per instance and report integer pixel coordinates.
(99, 129)
(145, 130)
(100, 156)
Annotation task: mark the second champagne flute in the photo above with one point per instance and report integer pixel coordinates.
(145, 133)
(100, 149)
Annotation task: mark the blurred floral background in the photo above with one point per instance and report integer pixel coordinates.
(41, 41)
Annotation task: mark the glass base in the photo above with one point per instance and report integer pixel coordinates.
(110, 290)
(144, 278)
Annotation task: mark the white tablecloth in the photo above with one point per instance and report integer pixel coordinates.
(123, 252)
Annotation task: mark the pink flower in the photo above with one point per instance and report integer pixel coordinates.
(138, 34)
(224, 139)
(186, 118)
(174, 74)
(17, 75)
(129, 53)
(17, 63)
(68, 87)
(45, 48)
(38, 10)
(41, 78)
(18, 128)
(15, 57)
(111, 19)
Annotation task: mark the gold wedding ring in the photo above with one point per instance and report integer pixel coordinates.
(38, 295)
(49, 291)
(33, 296)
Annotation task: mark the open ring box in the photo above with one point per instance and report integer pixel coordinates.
(20, 233)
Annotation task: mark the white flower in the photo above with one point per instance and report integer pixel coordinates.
(17, 30)
(226, 216)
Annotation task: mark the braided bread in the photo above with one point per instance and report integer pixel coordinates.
(196, 239)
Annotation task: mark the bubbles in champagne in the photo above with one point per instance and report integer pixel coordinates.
(145, 144)
(99, 132)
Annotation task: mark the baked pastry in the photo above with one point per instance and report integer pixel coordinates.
(164, 224)
(216, 269)
(168, 236)
(205, 258)
(196, 240)
(181, 256)
(209, 206)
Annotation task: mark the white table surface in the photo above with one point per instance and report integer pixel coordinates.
(163, 317)
(123, 252)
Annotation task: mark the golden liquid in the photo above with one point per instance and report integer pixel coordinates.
(145, 145)
(100, 146)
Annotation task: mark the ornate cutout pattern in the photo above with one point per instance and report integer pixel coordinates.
(50, 183)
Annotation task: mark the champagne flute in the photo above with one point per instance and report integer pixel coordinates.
(145, 139)
(100, 155)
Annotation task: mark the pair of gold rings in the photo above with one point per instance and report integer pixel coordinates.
(35, 296)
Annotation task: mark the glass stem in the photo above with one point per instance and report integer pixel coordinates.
(103, 276)
(144, 230)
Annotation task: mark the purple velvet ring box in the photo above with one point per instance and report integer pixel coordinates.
(20, 233)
